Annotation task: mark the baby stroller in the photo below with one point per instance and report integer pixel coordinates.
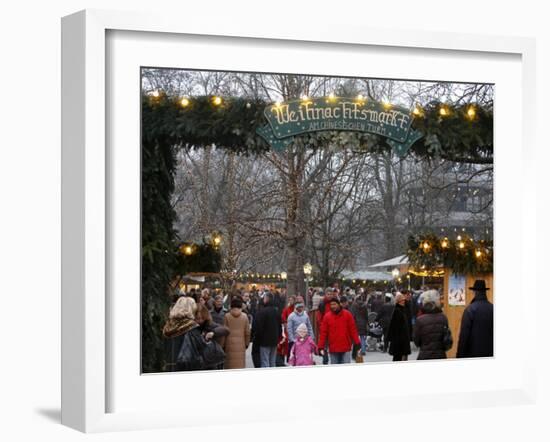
(375, 333)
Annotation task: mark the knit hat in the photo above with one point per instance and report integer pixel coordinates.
(302, 330)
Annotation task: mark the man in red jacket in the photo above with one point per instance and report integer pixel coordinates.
(338, 328)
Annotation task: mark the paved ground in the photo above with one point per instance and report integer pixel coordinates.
(371, 357)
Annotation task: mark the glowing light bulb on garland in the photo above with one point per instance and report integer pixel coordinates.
(386, 104)
(331, 97)
(188, 250)
(426, 246)
(443, 111)
(185, 102)
(155, 93)
(471, 112)
(417, 111)
(478, 253)
(445, 243)
(278, 104)
(217, 100)
(360, 97)
(459, 237)
(304, 97)
(217, 240)
(461, 245)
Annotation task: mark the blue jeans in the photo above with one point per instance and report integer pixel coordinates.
(340, 358)
(363, 339)
(268, 356)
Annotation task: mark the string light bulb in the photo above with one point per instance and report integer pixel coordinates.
(217, 240)
(417, 111)
(426, 246)
(185, 102)
(155, 93)
(217, 100)
(331, 96)
(471, 112)
(461, 245)
(445, 243)
(386, 104)
(304, 97)
(478, 253)
(360, 97)
(188, 250)
(443, 111)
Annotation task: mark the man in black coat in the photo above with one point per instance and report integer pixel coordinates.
(476, 329)
(267, 331)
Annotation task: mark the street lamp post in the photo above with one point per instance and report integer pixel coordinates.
(395, 274)
(307, 271)
(283, 276)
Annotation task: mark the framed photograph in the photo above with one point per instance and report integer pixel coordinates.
(242, 207)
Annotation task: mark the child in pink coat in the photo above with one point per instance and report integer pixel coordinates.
(303, 348)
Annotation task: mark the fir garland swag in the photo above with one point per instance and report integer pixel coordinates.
(462, 256)
(463, 133)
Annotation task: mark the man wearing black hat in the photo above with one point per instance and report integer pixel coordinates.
(476, 329)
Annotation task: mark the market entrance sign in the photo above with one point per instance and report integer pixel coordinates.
(289, 119)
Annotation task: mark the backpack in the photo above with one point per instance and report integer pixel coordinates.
(447, 338)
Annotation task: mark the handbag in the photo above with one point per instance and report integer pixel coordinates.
(190, 356)
(213, 354)
(447, 338)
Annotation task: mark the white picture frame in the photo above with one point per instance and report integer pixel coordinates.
(86, 202)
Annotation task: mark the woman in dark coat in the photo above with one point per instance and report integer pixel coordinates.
(384, 317)
(430, 327)
(209, 328)
(398, 331)
(181, 321)
(360, 315)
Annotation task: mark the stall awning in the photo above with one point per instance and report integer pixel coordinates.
(400, 260)
(368, 275)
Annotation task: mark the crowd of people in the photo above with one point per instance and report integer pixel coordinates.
(208, 330)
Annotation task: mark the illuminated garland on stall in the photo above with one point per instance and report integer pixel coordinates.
(462, 255)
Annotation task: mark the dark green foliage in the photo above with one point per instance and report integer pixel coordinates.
(158, 246)
(457, 136)
(450, 255)
(204, 259)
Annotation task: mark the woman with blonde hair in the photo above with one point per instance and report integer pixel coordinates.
(181, 320)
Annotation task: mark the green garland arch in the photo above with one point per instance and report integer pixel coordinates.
(232, 125)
